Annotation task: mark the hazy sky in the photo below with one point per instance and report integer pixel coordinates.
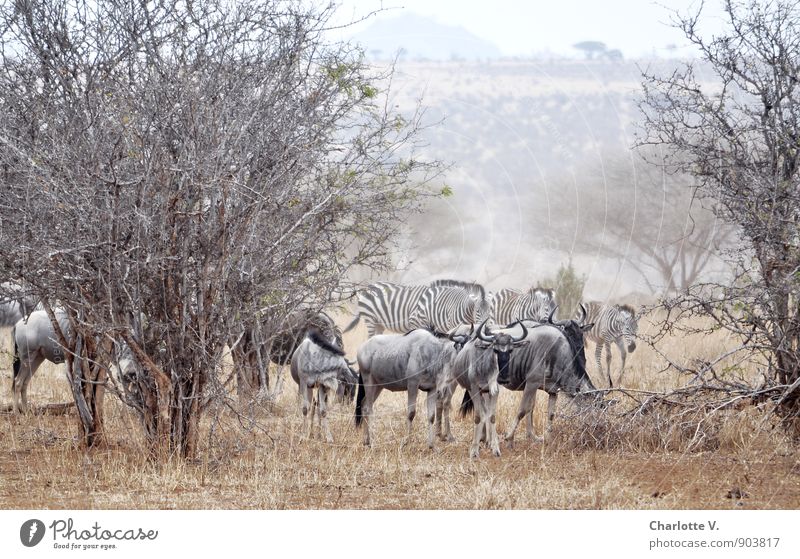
(520, 27)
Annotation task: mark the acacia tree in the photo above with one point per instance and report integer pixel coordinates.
(172, 170)
(739, 141)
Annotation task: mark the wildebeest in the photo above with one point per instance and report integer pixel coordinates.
(318, 363)
(478, 368)
(14, 303)
(554, 361)
(418, 360)
(253, 351)
(35, 341)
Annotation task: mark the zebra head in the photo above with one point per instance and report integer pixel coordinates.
(542, 304)
(628, 325)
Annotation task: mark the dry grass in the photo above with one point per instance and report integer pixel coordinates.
(589, 461)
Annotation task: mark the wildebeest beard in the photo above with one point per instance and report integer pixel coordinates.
(503, 357)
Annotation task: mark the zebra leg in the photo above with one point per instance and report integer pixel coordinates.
(608, 364)
(623, 353)
(598, 352)
(526, 406)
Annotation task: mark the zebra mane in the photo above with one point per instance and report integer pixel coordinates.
(472, 287)
(544, 290)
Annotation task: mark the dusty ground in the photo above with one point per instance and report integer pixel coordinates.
(750, 465)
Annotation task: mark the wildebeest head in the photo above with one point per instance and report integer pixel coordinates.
(459, 338)
(573, 332)
(502, 344)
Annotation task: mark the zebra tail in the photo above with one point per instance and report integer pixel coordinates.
(353, 323)
(467, 405)
(360, 400)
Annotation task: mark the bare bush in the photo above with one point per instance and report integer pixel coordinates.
(175, 171)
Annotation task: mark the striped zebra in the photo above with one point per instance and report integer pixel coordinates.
(612, 323)
(445, 308)
(509, 305)
(388, 306)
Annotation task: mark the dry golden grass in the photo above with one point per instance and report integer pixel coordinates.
(632, 467)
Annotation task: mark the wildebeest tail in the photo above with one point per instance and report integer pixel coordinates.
(360, 400)
(353, 323)
(17, 362)
(466, 405)
(316, 336)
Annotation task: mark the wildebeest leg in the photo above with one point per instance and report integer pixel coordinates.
(412, 408)
(526, 406)
(306, 406)
(529, 427)
(477, 400)
(432, 405)
(370, 395)
(322, 398)
(444, 408)
(623, 353)
(608, 364)
(27, 369)
(551, 412)
(491, 425)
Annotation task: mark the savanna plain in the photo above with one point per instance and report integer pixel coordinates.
(256, 457)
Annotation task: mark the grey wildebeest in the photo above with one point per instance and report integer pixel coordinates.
(14, 303)
(35, 341)
(554, 361)
(418, 360)
(252, 353)
(318, 363)
(478, 368)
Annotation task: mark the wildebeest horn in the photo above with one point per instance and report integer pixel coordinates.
(552, 313)
(524, 333)
(350, 363)
(583, 315)
(480, 332)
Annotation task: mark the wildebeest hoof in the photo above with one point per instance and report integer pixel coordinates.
(496, 452)
(535, 439)
(450, 439)
(473, 452)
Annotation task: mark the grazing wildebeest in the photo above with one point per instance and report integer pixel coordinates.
(35, 341)
(478, 368)
(318, 363)
(14, 303)
(554, 361)
(612, 323)
(252, 353)
(418, 360)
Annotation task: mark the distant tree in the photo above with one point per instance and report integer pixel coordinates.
(172, 172)
(568, 286)
(738, 140)
(590, 48)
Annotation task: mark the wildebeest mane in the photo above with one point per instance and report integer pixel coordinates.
(316, 336)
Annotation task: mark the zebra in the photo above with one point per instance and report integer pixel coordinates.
(612, 323)
(390, 306)
(443, 309)
(510, 305)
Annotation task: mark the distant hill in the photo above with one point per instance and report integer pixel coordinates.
(422, 38)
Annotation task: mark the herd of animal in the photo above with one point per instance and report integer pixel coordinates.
(449, 334)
